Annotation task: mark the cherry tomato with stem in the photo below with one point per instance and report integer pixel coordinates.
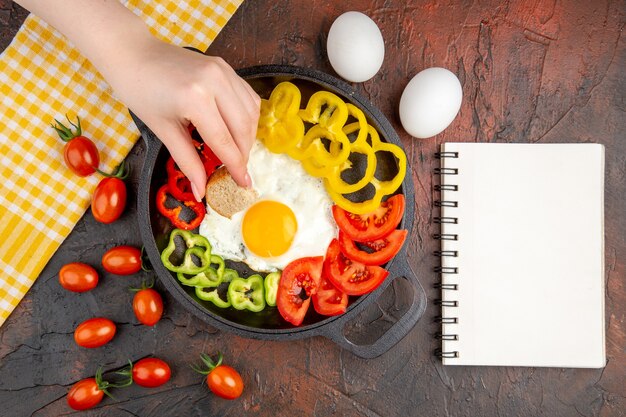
(151, 372)
(94, 332)
(222, 380)
(78, 277)
(89, 392)
(109, 198)
(122, 260)
(80, 153)
(147, 304)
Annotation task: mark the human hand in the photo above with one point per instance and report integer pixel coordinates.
(168, 87)
(173, 87)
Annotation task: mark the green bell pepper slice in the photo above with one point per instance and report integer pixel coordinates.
(210, 277)
(247, 294)
(229, 275)
(197, 245)
(271, 288)
(218, 295)
(213, 295)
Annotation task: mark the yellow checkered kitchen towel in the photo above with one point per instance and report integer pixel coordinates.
(43, 77)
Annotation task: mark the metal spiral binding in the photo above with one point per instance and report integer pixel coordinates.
(446, 270)
(443, 270)
(442, 354)
(446, 171)
(441, 336)
(446, 303)
(446, 236)
(446, 187)
(449, 220)
(448, 287)
(446, 320)
(443, 253)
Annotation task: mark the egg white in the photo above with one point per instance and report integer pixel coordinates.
(282, 179)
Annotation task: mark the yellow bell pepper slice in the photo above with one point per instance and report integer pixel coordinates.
(280, 127)
(382, 188)
(359, 145)
(328, 113)
(326, 109)
(312, 147)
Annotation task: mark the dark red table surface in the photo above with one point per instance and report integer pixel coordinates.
(532, 71)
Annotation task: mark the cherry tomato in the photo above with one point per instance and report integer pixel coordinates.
(80, 153)
(351, 277)
(84, 394)
(94, 332)
(148, 306)
(122, 260)
(225, 382)
(109, 200)
(299, 280)
(81, 156)
(222, 380)
(78, 277)
(329, 301)
(374, 225)
(88, 392)
(382, 250)
(151, 372)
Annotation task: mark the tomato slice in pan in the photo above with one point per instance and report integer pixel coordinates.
(298, 282)
(383, 249)
(351, 277)
(329, 301)
(374, 225)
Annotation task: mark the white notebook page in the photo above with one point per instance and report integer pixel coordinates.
(530, 255)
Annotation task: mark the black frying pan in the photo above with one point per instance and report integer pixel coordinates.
(268, 324)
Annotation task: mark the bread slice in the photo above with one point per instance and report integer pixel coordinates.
(225, 196)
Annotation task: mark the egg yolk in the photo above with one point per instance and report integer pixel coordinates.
(268, 228)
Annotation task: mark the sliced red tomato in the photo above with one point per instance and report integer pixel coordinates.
(351, 277)
(329, 301)
(374, 225)
(383, 249)
(298, 282)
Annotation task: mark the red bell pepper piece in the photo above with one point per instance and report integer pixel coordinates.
(210, 161)
(173, 214)
(179, 185)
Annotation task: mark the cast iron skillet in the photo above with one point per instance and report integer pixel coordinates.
(268, 324)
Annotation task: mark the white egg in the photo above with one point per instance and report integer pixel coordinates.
(281, 179)
(355, 47)
(430, 102)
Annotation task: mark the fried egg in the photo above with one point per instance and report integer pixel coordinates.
(291, 218)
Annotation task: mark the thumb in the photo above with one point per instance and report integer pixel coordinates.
(177, 140)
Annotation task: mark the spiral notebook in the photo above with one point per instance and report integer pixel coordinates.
(522, 254)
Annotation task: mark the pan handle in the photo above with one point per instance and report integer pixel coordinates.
(399, 270)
